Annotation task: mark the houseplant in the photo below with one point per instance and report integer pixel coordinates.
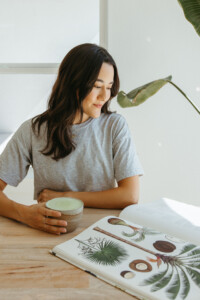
(139, 95)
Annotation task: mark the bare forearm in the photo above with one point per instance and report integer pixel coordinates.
(35, 216)
(11, 209)
(125, 194)
(114, 198)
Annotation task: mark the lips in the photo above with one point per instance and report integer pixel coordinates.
(98, 105)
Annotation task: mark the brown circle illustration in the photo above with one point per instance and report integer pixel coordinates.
(140, 265)
(164, 246)
(127, 274)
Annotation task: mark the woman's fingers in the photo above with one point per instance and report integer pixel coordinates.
(49, 212)
(49, 221)
(54, 229)
(46, 219)
(55, 222)
(47, 194)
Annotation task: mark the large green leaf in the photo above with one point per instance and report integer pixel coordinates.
(195, 275)
(162, 282)
(191, 9)
(185, 283)
(194, 265)
(157, 277)
(195, 252)
(108, 253)
(187, 248)
(174, 287)
(142, 93)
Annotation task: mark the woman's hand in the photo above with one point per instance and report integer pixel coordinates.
(42, 218)
(46, 195)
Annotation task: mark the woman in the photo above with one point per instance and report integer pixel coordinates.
(77, 147)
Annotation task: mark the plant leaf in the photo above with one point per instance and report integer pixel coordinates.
(187, 248)
(194, 265)
(142, 93)
(194, 252)
(185, 284)
(109, 253)
(191, 9)
(140, 238)
(130, 234)
(195, 275)
(174, 287)
(153, 279)
(162, 282)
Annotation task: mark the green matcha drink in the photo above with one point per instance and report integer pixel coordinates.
(65, 205)
(70, 208)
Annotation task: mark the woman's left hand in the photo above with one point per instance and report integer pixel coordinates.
(46, 195)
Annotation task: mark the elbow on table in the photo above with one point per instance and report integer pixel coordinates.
(132, 199)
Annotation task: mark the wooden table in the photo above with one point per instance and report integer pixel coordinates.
(28, 271)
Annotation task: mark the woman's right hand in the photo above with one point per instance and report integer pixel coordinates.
(42, 218)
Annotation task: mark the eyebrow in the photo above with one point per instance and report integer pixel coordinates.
(103, 81)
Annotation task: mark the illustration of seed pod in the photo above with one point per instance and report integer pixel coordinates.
(127, 274)
(164, 246)
(140, 265)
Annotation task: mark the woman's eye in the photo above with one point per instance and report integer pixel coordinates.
(98, 87)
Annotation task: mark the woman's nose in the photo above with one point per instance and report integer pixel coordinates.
(102, 95)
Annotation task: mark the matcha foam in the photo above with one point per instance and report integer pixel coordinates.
(64, 203)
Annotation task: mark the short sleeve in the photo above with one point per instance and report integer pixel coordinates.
(126, 161)
(16, 157)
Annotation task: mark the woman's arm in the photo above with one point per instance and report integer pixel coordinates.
(125, 194)
(35, 216)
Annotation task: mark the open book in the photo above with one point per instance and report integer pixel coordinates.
(136, 256)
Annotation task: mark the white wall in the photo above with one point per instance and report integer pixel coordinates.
(39, 31)
(44, 30)
(151, 39)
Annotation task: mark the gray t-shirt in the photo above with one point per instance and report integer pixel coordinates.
(105, 153)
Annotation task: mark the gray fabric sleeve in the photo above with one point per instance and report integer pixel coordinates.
(16, 157)
(126, 161)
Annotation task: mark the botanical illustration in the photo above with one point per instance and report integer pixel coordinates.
(180, 269)
(102, 251)
(139, 234)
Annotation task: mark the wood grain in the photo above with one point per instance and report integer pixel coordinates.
(29, 272)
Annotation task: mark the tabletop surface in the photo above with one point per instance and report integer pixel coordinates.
(28, 271)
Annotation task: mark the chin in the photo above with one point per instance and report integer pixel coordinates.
(95, 116)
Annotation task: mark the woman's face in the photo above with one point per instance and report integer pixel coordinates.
(99, 94)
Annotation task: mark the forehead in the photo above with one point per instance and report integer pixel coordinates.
(106, 73)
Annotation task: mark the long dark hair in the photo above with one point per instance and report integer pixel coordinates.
(77, 72)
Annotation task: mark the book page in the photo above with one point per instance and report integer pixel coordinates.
(172, 217)
(141, 261)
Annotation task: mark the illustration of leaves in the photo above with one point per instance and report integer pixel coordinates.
(187, 248)
(185, 284)
(194, 252)
(174, 287)
(109, 253)
(140, 238)
(162, 283)
(129, 234)
(194, 265)
(142, 232)
(155, 277)
(190, 257)
(195, 275)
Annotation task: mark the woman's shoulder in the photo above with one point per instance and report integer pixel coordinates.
(113, 120)
(24, 128)
(113, 117)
